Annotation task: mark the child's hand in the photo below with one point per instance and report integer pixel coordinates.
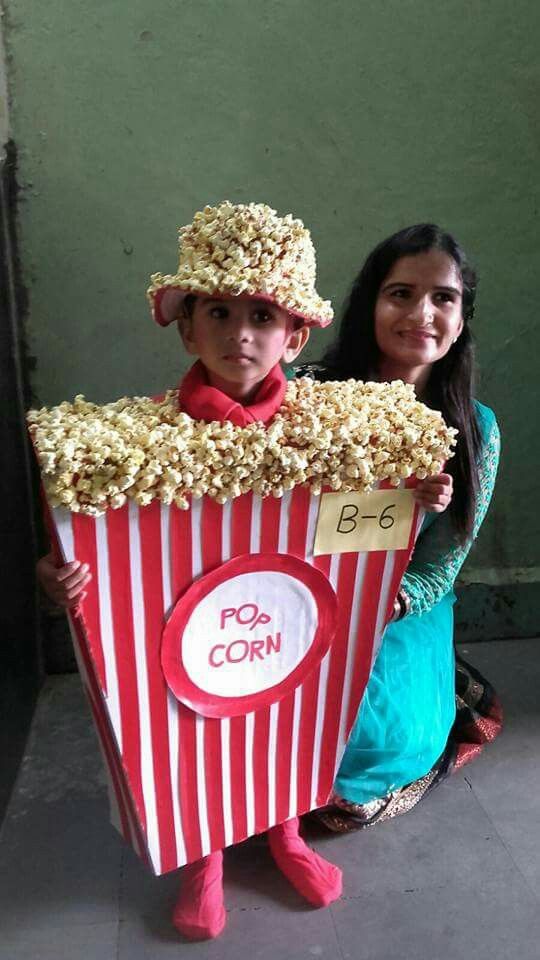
(63, 585)
(434, 493)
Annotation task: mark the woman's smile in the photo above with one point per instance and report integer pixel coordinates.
(418, 315)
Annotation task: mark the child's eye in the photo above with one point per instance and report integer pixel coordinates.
(218, 313)
(262, 316)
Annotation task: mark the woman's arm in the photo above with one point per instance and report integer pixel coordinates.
(437, 558)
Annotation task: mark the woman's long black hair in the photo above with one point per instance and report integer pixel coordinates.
(450, 387)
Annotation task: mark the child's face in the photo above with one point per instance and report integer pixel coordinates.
(240, 339)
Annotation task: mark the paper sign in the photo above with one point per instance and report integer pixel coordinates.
(358, 522)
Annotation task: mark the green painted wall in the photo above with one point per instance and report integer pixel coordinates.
(358, 117)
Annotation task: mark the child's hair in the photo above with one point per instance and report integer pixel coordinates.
(188, 305)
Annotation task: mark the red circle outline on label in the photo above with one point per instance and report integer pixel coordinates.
(210, 704)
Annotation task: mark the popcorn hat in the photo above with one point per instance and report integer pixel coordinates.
(243, 250)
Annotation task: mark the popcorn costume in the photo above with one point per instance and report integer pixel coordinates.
(196, 442)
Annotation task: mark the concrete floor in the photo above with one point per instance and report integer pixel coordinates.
(457, 877)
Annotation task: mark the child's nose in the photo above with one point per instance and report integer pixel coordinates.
(239, 329)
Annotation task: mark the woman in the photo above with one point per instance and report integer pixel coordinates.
(408, 318)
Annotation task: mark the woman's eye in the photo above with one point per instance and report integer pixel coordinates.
(443, 297)
(400, 294)
(262, 316)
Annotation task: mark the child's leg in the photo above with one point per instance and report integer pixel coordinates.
(317, 880)
(199, 913)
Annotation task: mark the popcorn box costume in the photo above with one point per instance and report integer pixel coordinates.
(223, 651)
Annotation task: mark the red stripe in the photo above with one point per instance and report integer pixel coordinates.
(187, 783)
(306, 739)
(106, 734)
(308, 720)
(269, 540)
(181, 579)
(367, 620)
(296, 545)
(401, 562)
(152, 581)
(122, 618)
(180, 547)
(348, 563)
(401, 557)
(211, 534)
(85, 549)
(241, 510)
(214, 782)
(283, 757)
(237, 742)
(211, 557)
(261, 734)
(105, 730)
(270, 514)
(124, 819)
(297, 531)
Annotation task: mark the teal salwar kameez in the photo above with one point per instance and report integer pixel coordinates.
(409, 707)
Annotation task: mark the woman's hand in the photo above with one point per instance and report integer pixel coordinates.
(434, 493)
(63, 585)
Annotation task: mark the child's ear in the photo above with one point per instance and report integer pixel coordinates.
(185, 329)
(295, 344)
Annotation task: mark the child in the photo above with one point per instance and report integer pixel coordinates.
(244, 298)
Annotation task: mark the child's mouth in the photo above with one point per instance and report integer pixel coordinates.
(239, 358)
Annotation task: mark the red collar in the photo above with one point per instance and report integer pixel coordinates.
(203, 402)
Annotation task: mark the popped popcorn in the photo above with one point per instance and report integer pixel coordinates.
(336, 435)
(235, 249)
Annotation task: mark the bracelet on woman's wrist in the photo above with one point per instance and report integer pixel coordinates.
(402, 605)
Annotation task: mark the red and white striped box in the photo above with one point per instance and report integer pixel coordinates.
(183, 784)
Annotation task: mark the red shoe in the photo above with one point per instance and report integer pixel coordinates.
(199, 913)
(315, 879)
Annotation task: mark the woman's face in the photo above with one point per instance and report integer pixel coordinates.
(418, 312)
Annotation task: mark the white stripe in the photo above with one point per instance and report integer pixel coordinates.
(321, 701)
(384, 595)
(196, 551)
(225, 723)
(314, 505)
(165, 530)
(284, 519)
(107, 628)
(272, 753)
(174, 746)
(226, 520)
(351, 652)
(293, 793)
(419, 522)
(255, 532)
(321, 696)
(172, 703)
(201, 785)
(225, 726)
(114, 805)
(145, 728)
(250, 800)
(62, 519)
